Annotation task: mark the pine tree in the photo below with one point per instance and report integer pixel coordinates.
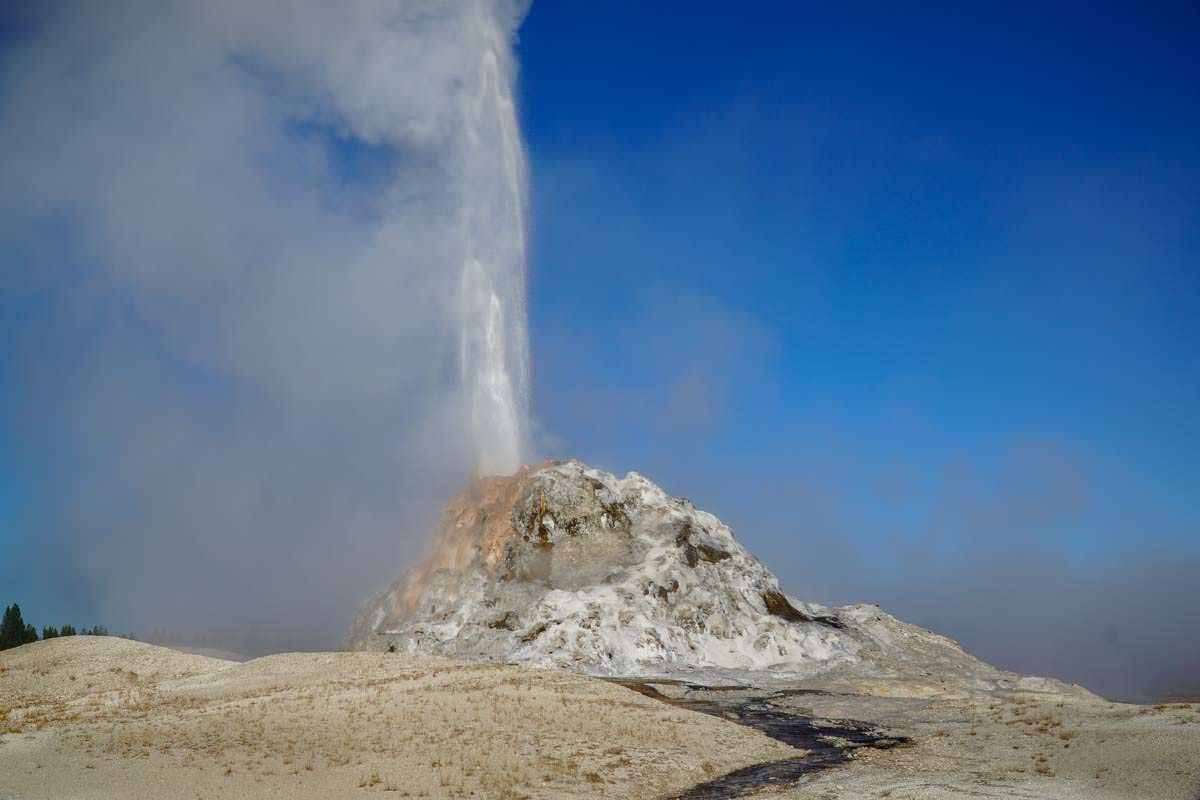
(49, 632)
(66, 630)
(7, 627)
(13, 630)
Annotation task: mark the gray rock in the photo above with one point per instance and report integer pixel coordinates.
(566, 566)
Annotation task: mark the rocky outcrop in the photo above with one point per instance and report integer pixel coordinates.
(569, 566)
(566, 566)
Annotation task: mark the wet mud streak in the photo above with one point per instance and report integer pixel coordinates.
(828, 742)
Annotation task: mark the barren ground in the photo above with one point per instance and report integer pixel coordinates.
(1068, 746)
(87, 717)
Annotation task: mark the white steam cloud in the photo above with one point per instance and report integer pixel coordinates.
(268, 259)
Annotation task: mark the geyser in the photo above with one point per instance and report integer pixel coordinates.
(494, 353)
(278, 256)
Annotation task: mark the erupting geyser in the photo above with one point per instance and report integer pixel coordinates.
(494, 350)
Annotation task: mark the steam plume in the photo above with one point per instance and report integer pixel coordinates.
(269, 268)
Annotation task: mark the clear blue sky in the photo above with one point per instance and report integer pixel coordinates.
(921, 239)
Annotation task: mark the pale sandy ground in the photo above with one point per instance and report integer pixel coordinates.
(88, 717)
(1012, 745)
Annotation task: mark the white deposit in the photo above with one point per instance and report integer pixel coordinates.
(566, 566)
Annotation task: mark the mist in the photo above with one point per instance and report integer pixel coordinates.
(1124, 627)
(239, 344)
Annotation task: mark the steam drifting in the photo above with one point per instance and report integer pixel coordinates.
(271, 272)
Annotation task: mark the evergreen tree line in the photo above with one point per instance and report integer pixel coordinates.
(14, 631)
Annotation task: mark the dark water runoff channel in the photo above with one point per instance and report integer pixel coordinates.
(827, 741)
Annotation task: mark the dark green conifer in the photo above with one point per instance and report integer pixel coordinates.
(13, 630)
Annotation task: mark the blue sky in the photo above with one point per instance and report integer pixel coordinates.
(910, 298)
(935, 236)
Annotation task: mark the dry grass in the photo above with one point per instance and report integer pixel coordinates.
(321, 724)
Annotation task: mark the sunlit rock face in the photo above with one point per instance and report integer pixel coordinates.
(560, 565)
(563, 565)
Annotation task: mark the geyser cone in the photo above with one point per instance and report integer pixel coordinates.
(568, 566)
(560, 565)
